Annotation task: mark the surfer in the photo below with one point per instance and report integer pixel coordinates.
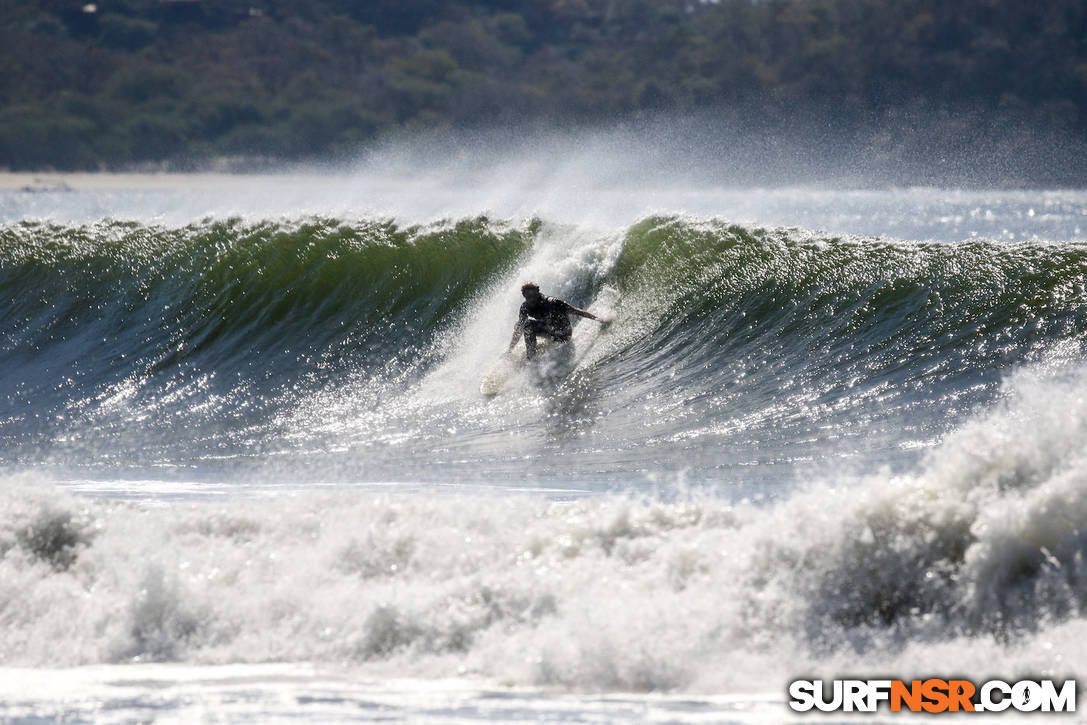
(542, 315)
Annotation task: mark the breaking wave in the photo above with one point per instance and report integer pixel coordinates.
(351, 350)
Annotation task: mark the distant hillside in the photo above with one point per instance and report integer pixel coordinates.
(123, 82)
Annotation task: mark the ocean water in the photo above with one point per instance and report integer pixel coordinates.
(247, 475)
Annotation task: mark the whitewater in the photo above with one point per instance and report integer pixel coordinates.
(246, 473)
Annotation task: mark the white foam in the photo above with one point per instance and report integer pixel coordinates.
(972, 564)
(291, 693)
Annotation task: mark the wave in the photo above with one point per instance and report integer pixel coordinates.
(213, 293)
(105, 322)
(919, 402)
(357, 345)
(976, 557)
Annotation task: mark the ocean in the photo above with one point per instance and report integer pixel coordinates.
(247, 473)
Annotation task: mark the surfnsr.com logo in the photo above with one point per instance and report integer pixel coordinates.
(932, 695)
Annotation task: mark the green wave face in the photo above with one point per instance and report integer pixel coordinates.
(331, 349)
(237, 299)
(862, 295)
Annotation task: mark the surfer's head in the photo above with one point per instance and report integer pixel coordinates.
(530, 291)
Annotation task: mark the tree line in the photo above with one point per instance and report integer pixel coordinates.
(115, 83)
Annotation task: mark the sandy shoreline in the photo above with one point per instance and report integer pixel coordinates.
(75, 181)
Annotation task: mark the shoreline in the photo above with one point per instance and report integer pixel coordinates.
(62, 181)
(59, 181)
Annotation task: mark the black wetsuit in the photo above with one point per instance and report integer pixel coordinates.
(547, 316)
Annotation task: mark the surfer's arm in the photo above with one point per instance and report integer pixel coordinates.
(518, 329)
(584, 313)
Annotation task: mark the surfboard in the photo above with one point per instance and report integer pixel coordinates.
(507, 366)
(497, 375)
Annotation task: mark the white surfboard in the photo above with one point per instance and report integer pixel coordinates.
(507, 366)
(497, 375)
